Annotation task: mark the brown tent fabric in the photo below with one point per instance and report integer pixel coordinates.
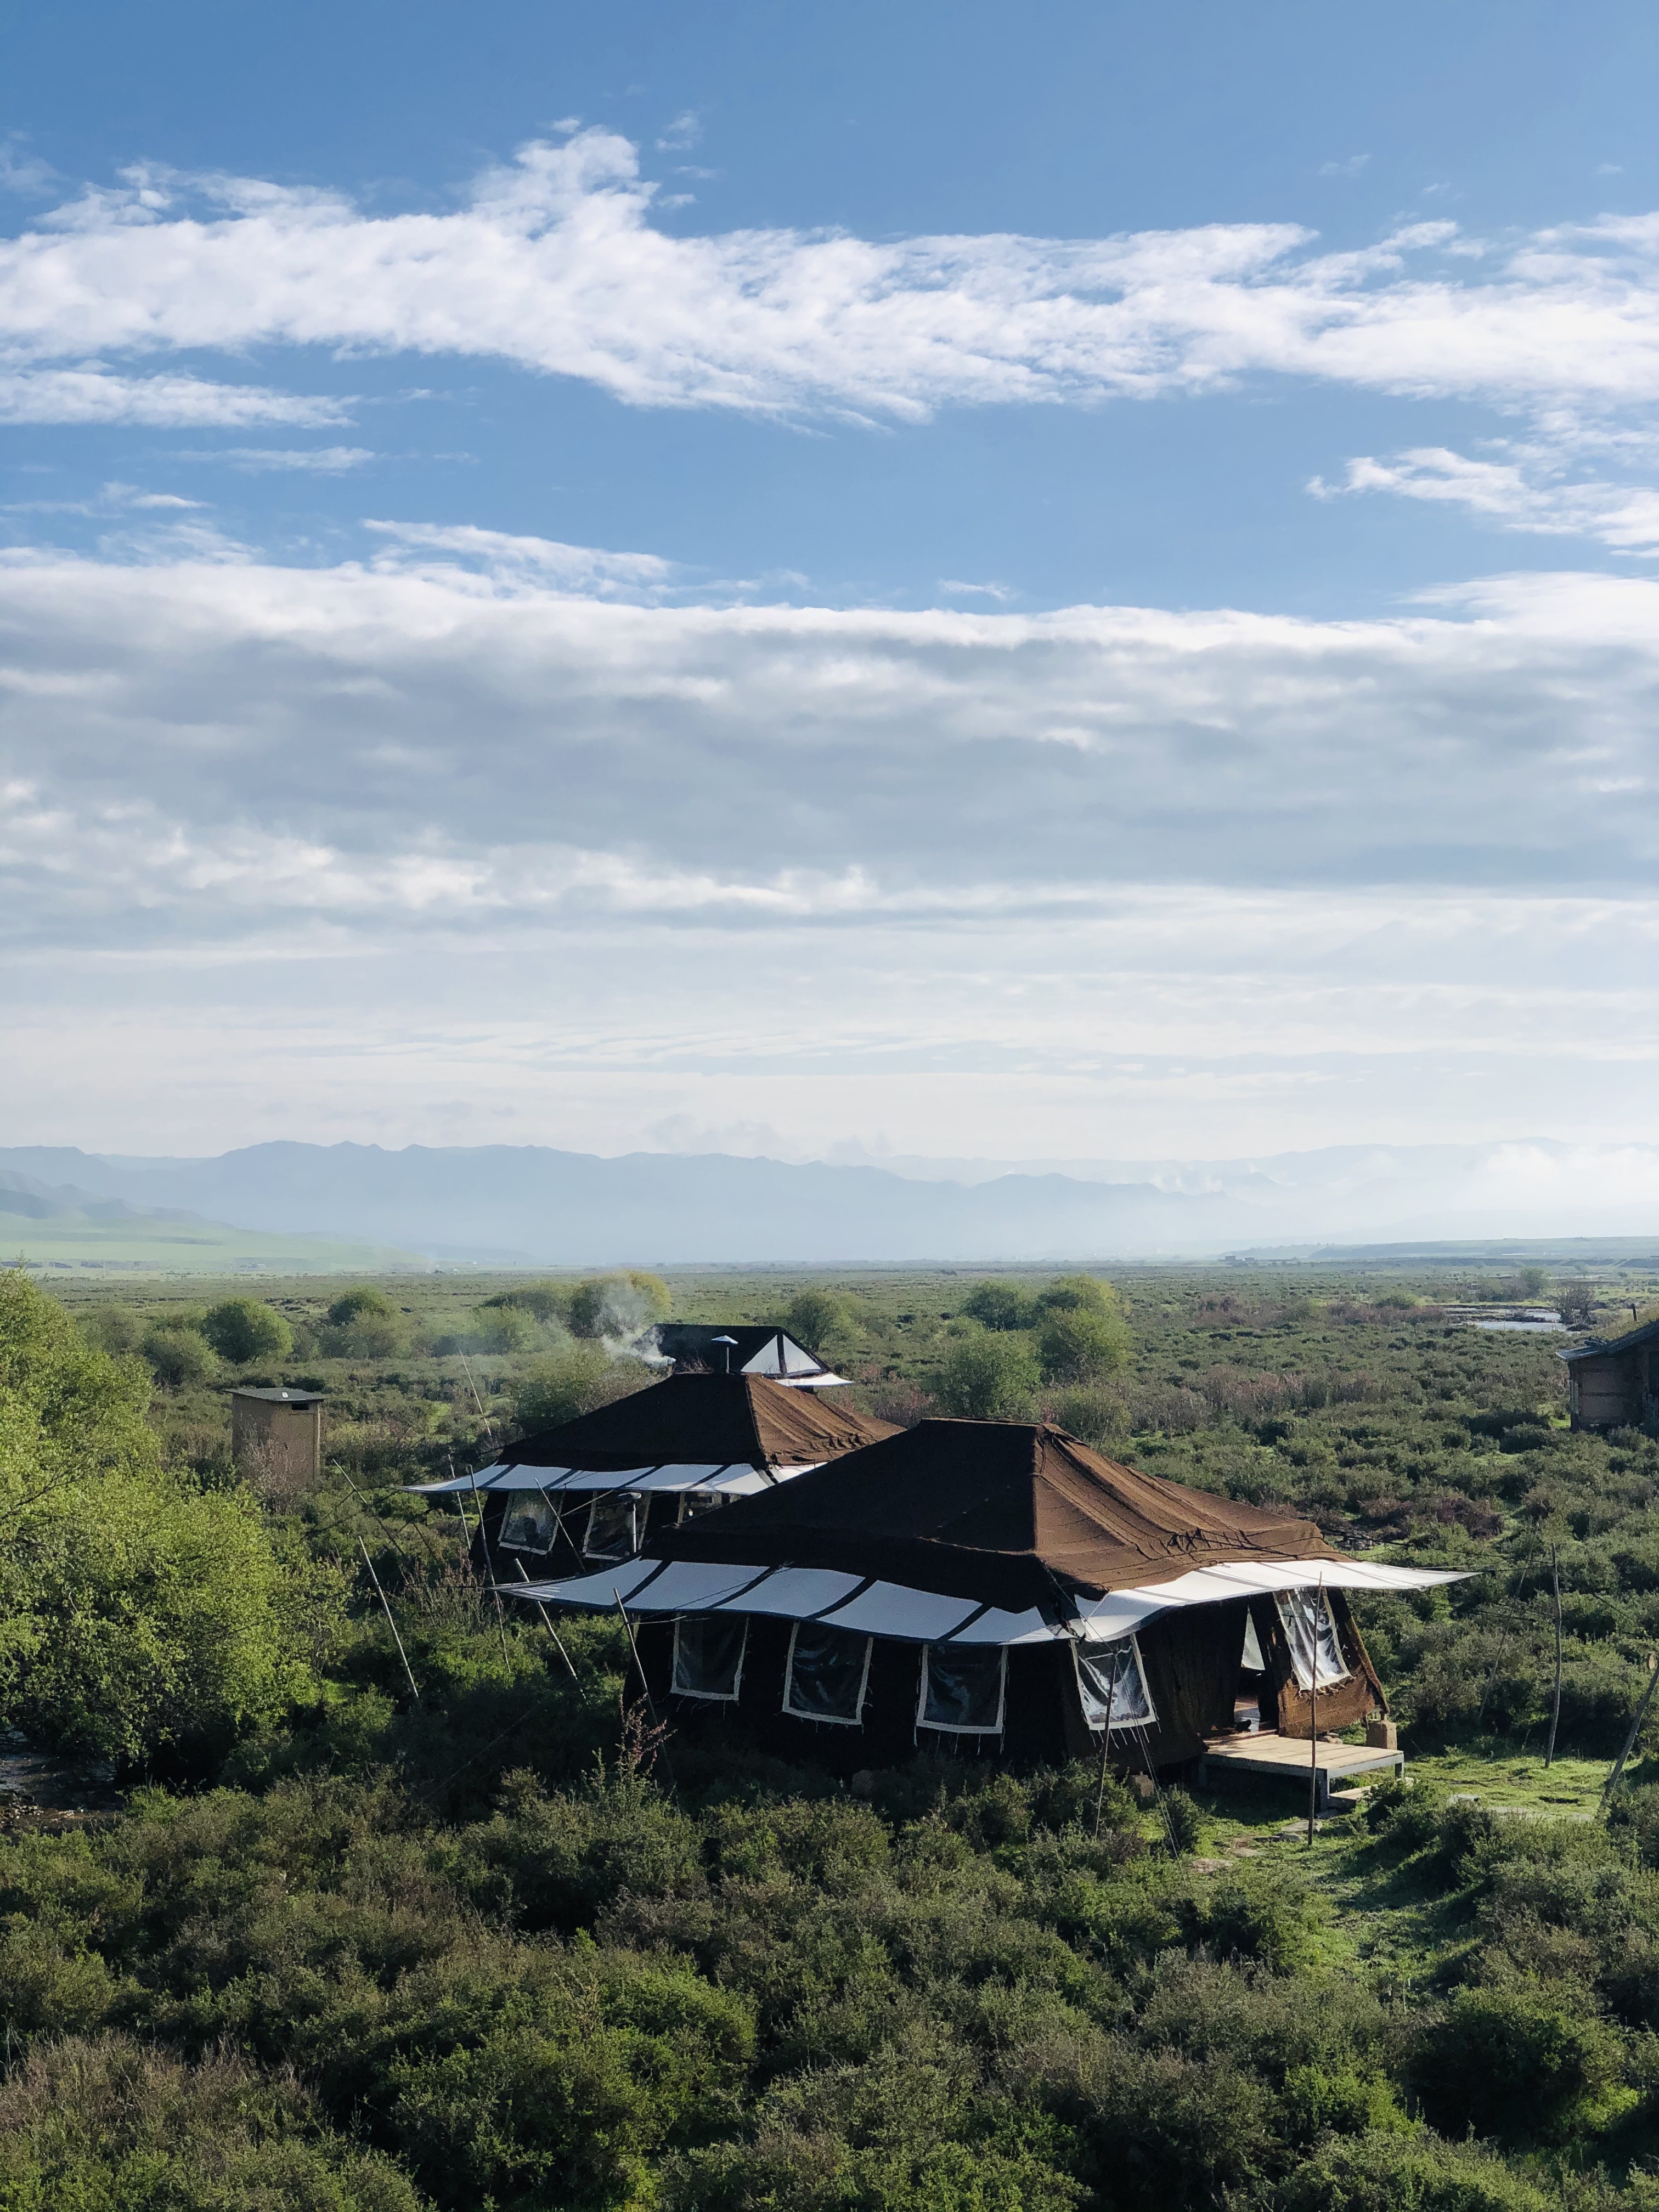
(1013, 1513)
(716, 1420)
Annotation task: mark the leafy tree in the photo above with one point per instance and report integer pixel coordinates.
(355, 1305)
(1085, 1334)
(180, 1355)
(241, 1329)
(141, 1614)
(573, 1381)
(988, 1376)
(1001, 1306)
(620, 1305)
(548, 1301)
(827, 1323)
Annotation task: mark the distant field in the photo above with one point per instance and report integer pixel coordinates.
(187, 1247)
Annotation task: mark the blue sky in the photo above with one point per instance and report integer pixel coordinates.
(1067, 583)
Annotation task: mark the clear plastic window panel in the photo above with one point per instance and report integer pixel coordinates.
(962, 1688)
(613, 1529)
(1108, 1678)
(1308, 1624)
(829, 1669)
(696, 1502)
(529, 1524)
(708, 1648)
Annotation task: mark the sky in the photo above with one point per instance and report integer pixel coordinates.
(1070, 582)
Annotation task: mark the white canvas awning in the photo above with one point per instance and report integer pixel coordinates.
(729, 1479)
(1106, 1618)
(647, 1586)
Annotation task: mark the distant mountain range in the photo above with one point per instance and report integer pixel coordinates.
(519, 1205)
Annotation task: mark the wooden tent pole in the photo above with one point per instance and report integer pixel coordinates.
(489, 1564)
(1555, 1703)
(548, 1624)
(1105, 1747)
(390, 1622)
(1313, 1714)
(1635, 1727)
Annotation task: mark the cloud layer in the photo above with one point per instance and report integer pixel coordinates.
(202, 747)
(555, 263)
(356, 836)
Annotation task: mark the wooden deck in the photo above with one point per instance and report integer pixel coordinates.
(1270, 1757)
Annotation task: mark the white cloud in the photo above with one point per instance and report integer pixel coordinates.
(684, 132)
(1352, 167)
(515, 561)
(519, 716)
(555, 264)
(318, 461)
(953, 588)
(1095, 880)
(86, 396)
(1529, 493)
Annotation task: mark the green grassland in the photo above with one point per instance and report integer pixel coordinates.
(434, 1923)
(185, 1245)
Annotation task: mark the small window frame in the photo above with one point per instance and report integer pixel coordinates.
(510, 1513)
(731, 1697)
(1146, 1720)
(958, 1728)
(826, 1720)
(632, 1500)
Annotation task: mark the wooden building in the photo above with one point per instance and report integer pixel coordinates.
(598, 1487)
(1615, 1384)
(998, 1588)
(276, 1436)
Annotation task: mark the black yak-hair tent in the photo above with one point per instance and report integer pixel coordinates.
(595, 1487)
(994, 1585)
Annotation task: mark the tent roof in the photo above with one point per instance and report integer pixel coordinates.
(1010, 1513)
(698, 1346)
(716, 1419)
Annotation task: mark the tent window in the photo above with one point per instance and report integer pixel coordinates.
(827, 1672)
(1110, 1675)
(708, 1648)
(1305, 1616)
(693, 1502)
(528, 1523)
(612, 1533)
(962, 1688)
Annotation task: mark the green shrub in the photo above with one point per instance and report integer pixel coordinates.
(113, 2126)
(1389, 2172)
(1002, 1306)
(988, 1377)
(571, 1381)
(1518, 2061)
(619, 1306)
(1083, 1333)
(366, 1301)
(241, 1329)
(181, 1357)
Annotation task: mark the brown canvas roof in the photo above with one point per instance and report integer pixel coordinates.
(716, 1420)
(1010, 1512)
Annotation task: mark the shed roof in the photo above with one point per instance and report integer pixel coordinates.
(1010, 1513)
(1604, 1347)
(283, 1397)
(713, 1419)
